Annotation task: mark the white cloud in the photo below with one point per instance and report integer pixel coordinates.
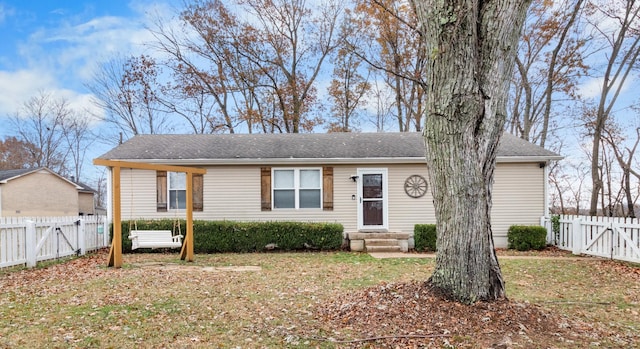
(592, 88)
(18, 86)
(5, 12)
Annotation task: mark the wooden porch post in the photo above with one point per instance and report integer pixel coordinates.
(115, 253)
(187, 248)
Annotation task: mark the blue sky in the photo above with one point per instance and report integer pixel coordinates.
(54, 46)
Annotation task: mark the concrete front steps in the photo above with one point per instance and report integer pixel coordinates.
(378, 242)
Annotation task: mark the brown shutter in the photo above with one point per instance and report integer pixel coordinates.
(327, 188)
(161, 191)
(265, 188)
(198, 192)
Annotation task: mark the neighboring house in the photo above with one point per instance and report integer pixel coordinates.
(366, 181)
(42, 192)
(86, 199)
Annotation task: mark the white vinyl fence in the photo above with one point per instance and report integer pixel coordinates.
(609, 237)
(26, 241)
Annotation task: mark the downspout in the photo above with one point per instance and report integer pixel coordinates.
(546, 189)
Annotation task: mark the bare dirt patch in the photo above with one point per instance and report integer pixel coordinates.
(197, 268)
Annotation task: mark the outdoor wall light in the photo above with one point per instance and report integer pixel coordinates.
(354, 178)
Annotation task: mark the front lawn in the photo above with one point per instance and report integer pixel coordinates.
(303, 300)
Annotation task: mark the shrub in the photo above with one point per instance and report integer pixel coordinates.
(230, 236)
(424, 236)
(555, 227)
(523, 238)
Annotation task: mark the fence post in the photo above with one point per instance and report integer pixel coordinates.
(576, 237)
(105, 232)
(82, 238)
(543, 223)
(30, 244)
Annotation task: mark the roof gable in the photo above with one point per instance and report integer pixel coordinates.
(7, 175)
(212, 147)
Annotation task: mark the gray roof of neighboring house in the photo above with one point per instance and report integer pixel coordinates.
(229, 147)
(8, 174)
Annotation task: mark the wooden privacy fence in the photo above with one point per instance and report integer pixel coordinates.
(26, 241)
(609, 237)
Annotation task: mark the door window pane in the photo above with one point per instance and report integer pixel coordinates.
(372, 186)
(372, 212)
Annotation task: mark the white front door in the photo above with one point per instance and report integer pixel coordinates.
(372, 199)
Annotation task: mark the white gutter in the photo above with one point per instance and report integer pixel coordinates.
(326, 161)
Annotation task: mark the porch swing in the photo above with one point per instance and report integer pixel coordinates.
(154, 238)
(115, 251)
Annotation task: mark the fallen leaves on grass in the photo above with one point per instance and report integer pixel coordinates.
(412, 314)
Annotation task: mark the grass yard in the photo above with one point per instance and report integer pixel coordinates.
(275, 300)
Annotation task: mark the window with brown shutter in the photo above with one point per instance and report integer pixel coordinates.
(198, 192)
(161, 191)
(265, 188)
(294, 188)
(327, 188)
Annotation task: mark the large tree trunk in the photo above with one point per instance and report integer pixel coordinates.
(471, 45)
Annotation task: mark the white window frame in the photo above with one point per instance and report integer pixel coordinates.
(296, 187)
(169, 189)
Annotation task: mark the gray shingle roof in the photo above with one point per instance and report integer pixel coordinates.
(295, 146)
(7, 174)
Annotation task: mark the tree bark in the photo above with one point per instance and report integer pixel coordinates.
(471, 47)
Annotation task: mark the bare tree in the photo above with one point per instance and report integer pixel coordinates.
(397, 53)
(616, 26)
(548, 65)
(41, 122)
(79, 138)
(128, 92)
(471, 47)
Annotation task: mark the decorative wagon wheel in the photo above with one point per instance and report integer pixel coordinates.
(415, 186)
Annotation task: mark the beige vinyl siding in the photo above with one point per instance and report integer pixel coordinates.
(518, 198)
(141, 202)
(233, 193)
(404, 211)
(39, 194)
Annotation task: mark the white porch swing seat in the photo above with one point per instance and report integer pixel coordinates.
(152, 238)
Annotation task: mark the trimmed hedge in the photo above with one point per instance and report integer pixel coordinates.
(231, 236)
(424, 236)
(523, 238)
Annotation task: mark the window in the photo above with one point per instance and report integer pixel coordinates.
(177, 190)
(297, 188)
(172, 191)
